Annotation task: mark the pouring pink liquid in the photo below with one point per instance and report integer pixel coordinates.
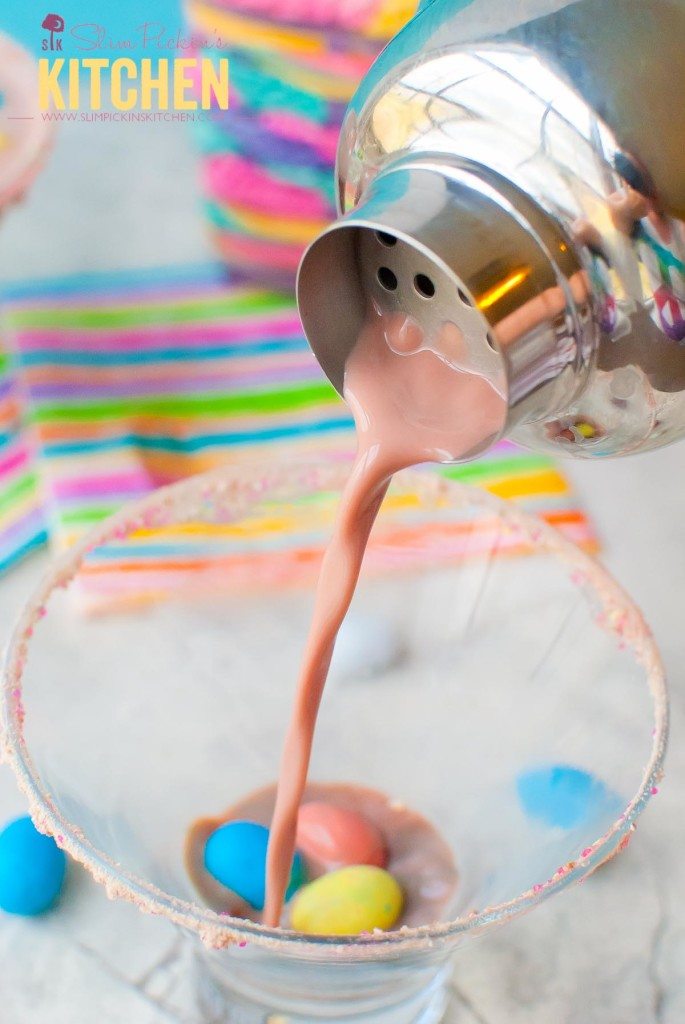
(411, 404)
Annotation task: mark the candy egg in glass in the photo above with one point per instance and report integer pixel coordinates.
(148, 684)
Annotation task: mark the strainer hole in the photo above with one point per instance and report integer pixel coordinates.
(387, 279)
(424, 286)
(491, 342)
(386, 239)
(464, 297)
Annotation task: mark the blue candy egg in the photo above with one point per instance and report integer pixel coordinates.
(32, 869)
(235, 854)
(564, 797)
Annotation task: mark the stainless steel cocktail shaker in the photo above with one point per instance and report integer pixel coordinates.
(517, 169)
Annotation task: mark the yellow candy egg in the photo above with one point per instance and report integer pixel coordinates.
(352, 900)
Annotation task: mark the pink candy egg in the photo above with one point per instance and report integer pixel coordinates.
(331, 837)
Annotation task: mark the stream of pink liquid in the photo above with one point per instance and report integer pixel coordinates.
(409, 406)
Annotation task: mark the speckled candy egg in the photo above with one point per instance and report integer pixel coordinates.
(348, 902)
(332, 837)
(235, 854)
(32, 869)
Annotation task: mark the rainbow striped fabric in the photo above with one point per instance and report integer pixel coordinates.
(22, 519)
(113, 385)
(268, 179)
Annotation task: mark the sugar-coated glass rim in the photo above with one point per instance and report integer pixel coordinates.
(622, 618)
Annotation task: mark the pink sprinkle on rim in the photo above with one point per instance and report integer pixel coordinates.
(654, 790)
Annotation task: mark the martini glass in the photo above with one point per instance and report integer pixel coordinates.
(148, 683)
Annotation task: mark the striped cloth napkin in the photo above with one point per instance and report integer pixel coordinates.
(22, 519)
(115, 384)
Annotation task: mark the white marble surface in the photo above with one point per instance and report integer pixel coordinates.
(612, 951)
